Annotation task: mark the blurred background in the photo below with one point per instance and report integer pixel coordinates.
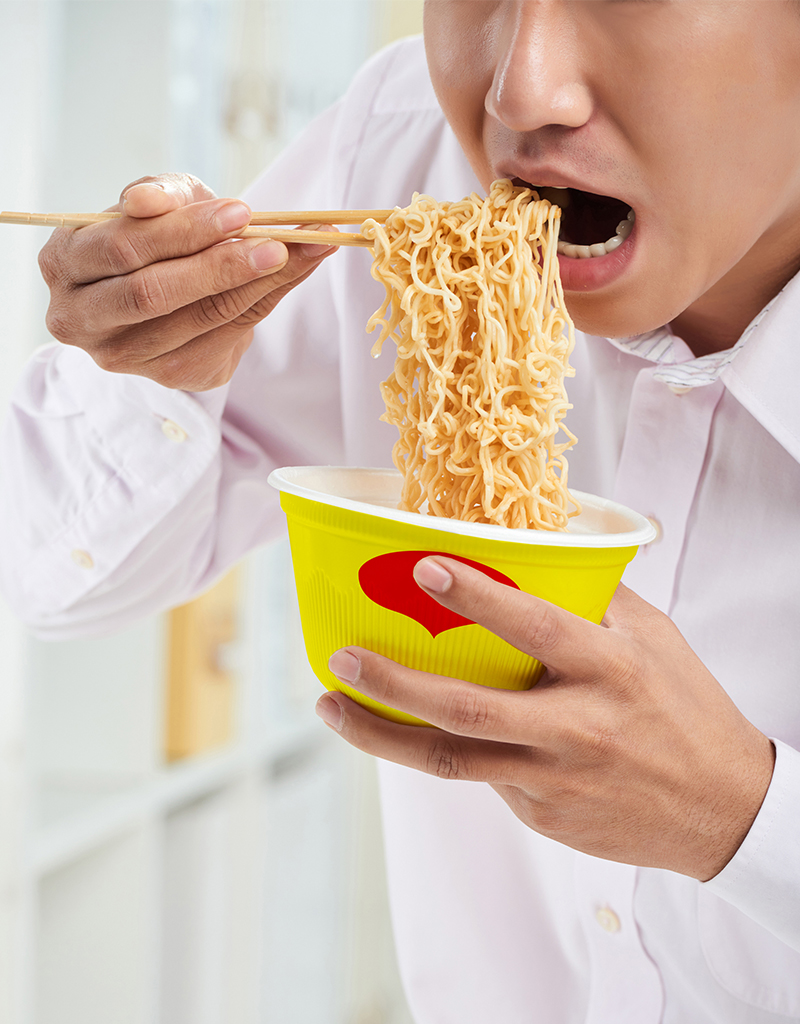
(181, 841)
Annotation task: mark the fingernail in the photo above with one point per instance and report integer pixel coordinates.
(432, 576)
(268, 255)
(330, 712)
(344, 665)
(232, 217)
(144, 184)
(148, 187)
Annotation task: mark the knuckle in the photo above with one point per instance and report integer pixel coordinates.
(215, 375)
(108, 360)
(119, 254)
(206, 378)
(445, 760)
(178, 182)
(114, 358)
(197, 187)
(175, 380)
(541, 630)
(184, 237)
(193, 189)
(600, 743)
(143, 297)
(203, 384)
(597, 738)
(179, 370)
(624, 666)
(60, 324)
(657, 630)
(50, 264)
(219, 308)
(549, 817)
(467, 711)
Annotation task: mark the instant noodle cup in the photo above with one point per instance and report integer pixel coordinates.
(354, 553)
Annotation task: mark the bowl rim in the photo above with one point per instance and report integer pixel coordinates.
(641, 531)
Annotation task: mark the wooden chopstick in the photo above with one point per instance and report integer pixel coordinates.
(315, 237)
(318, 216)
(56, 220)
(256, 228)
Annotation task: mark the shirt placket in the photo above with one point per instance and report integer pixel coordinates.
(624, 985)
(663, 455)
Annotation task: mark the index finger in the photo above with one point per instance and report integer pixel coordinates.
(455, 706)
(565, 643)
(117, 247)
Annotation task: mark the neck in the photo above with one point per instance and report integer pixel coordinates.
(718, 318)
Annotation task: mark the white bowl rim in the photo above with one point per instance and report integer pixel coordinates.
(640, 529)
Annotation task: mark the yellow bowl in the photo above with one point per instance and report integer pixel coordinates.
(354, 551)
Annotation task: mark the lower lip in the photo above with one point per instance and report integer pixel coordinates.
(587, 275)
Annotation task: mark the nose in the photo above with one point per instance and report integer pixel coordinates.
(538, 77)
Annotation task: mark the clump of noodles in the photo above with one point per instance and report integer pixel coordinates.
(475, 306)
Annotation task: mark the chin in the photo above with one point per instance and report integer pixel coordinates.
(608, 321)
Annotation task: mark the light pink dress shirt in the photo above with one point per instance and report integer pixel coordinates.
(124, 498)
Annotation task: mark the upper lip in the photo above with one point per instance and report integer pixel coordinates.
(551, 177)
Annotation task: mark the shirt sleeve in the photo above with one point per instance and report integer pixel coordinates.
(762, 880)
(124, 497)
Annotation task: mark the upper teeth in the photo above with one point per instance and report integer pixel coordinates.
(624, 228)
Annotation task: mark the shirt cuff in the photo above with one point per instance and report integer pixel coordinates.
(139, 449)
(763, 877)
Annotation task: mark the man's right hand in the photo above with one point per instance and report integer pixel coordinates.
(167, 291)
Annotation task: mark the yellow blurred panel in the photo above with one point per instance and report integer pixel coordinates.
(201, 684)
(401, 18)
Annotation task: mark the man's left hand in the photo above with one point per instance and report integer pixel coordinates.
(627, 748)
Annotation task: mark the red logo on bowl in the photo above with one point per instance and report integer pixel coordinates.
(388, 580)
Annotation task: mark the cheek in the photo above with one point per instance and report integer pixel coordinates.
(726, 150)
(720, 190)
(459, 43)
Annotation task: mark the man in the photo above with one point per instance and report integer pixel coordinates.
(649, 871)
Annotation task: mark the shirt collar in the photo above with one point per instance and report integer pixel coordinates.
(765, 378)
(762, 370)
(679, 368)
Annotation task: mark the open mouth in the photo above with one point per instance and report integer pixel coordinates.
(591, 225)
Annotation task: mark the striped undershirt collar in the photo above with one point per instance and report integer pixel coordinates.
(678, 368)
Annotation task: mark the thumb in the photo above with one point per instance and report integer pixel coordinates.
(148, 199)
(154, 196)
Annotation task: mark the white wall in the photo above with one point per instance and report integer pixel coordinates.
(25, 41)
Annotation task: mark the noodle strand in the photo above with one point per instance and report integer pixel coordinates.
(475, 306)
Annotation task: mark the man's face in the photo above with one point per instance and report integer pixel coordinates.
(685, 111)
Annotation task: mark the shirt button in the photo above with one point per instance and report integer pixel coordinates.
(82, 558)
(607, 920)
(173, 431)
(656, 524)
(679, 389)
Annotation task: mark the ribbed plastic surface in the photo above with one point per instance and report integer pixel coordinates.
(329, 546)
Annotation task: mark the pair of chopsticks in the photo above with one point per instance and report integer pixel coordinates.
(256, 228)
